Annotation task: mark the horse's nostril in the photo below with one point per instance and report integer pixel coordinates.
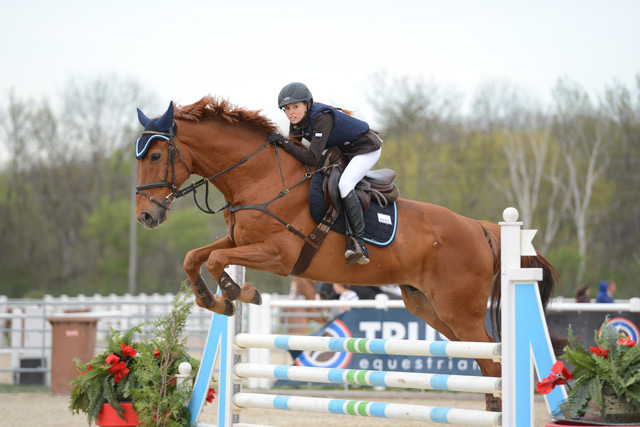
(146, 218)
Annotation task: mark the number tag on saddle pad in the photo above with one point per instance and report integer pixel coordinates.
(384, 219)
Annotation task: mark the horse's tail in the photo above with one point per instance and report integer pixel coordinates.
(547, 286)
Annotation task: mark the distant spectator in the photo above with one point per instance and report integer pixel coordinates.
(392, 291)
(366, 292)
(346, 294)
(583, 294)
(606, 291)
(325, 290)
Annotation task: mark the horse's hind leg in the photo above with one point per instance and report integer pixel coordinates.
(418, 304)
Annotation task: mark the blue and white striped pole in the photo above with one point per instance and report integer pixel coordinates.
(420, 381)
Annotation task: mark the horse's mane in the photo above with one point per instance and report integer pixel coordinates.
(211, 108)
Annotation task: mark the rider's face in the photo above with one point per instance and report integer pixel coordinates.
(295, 112)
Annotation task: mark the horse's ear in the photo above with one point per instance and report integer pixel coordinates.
(142, 118)
(166, 120)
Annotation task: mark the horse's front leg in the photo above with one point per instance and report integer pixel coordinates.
(205, 298)
(258, 256)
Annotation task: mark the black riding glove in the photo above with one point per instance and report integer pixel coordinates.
(277, 139)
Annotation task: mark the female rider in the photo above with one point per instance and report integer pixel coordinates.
(325, 127)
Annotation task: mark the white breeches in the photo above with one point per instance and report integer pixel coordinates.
(356, 170)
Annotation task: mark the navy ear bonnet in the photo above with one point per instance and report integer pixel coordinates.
(161, 125)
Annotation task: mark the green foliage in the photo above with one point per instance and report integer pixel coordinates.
(96, 383)
(613, 368)
(158, 399)
(566, 259)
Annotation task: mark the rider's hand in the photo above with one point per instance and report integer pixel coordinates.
(277, 139)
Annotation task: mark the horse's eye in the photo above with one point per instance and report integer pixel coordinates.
(155, 157)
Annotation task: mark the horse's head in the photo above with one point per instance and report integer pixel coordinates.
(159, 174)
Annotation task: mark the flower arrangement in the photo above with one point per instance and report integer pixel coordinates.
(140, 372)
(604, 376)
(108, 377)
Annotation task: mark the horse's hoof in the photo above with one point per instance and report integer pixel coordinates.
(229, 308)
(257, 298)
(492, 403)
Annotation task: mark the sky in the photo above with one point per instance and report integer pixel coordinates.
(246, 51)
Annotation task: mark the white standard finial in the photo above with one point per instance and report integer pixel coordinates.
(510, 215)
(184, 368)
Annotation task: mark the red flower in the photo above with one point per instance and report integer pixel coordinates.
(156, 352)
(117, 368)
(112, 359)
(127, 351)
(559, 369)
(120, 370)
(211, 395)
(626, 341)
(602, 352)
(559, 375)
(88, 369)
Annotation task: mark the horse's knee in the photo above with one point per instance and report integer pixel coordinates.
(214, 267)
(190, 262)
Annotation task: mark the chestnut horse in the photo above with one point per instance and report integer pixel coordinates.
(446, 263)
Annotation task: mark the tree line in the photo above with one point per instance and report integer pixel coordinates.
(569, 167)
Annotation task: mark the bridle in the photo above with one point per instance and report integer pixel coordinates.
(171, 164)
(263, 207)
(173, 184)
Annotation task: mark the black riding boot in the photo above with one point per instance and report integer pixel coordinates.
(356, 251)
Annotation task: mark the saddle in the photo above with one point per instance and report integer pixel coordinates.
(376, 184)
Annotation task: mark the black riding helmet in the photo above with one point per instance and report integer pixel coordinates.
(294, 92)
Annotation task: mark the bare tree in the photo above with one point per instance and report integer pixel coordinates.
(505, 113)
(580, 133)
(417, 120)
(621, 108)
